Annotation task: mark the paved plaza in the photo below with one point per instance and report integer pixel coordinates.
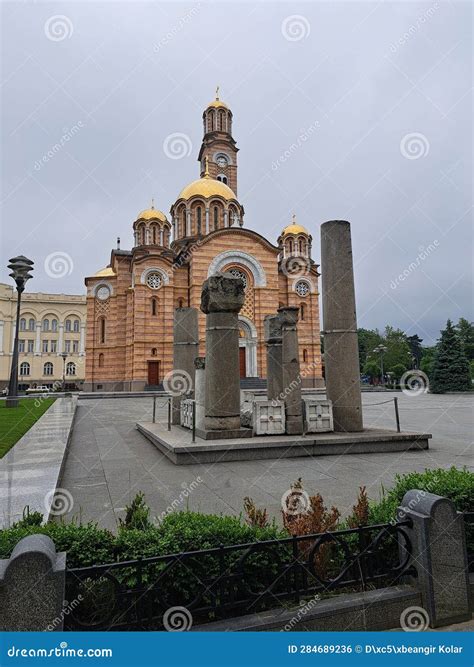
(109, 461)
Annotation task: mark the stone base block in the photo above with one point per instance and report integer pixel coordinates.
(294, 425)
(224, 435)
(268, 417)
(317, 415)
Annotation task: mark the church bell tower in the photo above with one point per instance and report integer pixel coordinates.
(218, 145)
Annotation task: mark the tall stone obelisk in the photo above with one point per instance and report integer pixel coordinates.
(222, 298)
(185, 350)
(273, 340)
(341, 350)
(288, 317)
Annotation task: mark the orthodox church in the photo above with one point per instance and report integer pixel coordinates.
(131, 302)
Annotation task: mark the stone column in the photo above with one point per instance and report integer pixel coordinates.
(61, 339)
(32, 587)
(82, 341)
(341, 351)
(439, 555)
(185, 349)
(207, 220)
(222, 298)
(188, 222)
(38, 340)
(288, 317)
(272, 326)
(200, 391)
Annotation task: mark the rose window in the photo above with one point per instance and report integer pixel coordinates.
(302, 288)
(154, 280)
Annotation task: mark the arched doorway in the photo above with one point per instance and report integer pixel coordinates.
(247, 347)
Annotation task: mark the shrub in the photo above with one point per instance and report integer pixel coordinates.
(137, 514)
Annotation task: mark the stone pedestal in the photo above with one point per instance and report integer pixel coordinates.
(273, 342)
(341, 351)
(222, 298)
(185, 350)
(200, 390)
(288, 317)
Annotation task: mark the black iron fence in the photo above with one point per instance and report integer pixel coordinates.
(233, 580)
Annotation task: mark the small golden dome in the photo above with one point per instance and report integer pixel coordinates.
(108, 271)
(152, 213)
(217, 103)
(207, 187)
(295, 229)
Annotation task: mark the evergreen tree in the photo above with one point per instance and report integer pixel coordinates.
(451, 367)
(465, 331)
(416, 350)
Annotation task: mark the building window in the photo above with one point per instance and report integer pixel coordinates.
(75, 346)
(24, 368)
(45, 325)
(302, 311)
(68, 325)
(31, 346)
(300, 246)
(154, 351)
(302, 288)
(290, 246)
(216, 217)
(153, 232)
(76, 326)
(198, 212)
(70, 368)
(101, 360)
(48, 368)
(31, 324)
(45, 346)
(102, 330)
(222, 178)
(184, 222)
(54, 345)
(67, 346)
(54, 325)
(154, 306)
(22, 324)
(154, 280)
(180, 303)
(305, 355)
(21, 346)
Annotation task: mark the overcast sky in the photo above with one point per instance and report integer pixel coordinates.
(342, 110)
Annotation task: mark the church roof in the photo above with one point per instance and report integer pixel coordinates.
(108, 271)
(295, 229)
(152, 213)
(207, 187)
(217, 103)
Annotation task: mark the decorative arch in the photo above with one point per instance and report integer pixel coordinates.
(154, 269)
(102, 283)
(239, 257)
(300, 279)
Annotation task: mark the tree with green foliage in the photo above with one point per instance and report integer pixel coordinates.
(397, 371)
(451, 368)
(465, 331)
(372, 369)
(427, 360)
(398, 350)
(368, 339)
(416, 350)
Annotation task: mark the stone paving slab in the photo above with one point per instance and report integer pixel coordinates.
(30, 471)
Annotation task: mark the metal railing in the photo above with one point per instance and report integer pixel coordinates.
(233, 580)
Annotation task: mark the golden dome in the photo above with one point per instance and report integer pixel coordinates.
(108, 271)
(294, 228)
(151, 213)
(207, 187)
(217, 103)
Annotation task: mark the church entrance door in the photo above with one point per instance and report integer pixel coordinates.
(154, 372)
(242, 367)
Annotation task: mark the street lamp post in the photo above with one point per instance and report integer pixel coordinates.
(63, 355)
(381, 349)
(20, 267)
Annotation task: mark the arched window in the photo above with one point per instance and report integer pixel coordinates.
(222, 178)
(101, 323)
(290, 245)
(48, 368)
(101, 360)
(76, 326)
(305, 355)
(24, 368)
(153, 231)
(184, 222)
(31, 324)
(22, 324)
(70, 368)
(302, 311)
(154, 306)
(154, 351)
(216, 217)
(198, 212)
(68, 325)
(45, 325)
(180, 303)
(54, 325)
(300, 246)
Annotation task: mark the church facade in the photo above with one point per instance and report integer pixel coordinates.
(131, 302)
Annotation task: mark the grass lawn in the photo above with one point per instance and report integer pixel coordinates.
(15, 422)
